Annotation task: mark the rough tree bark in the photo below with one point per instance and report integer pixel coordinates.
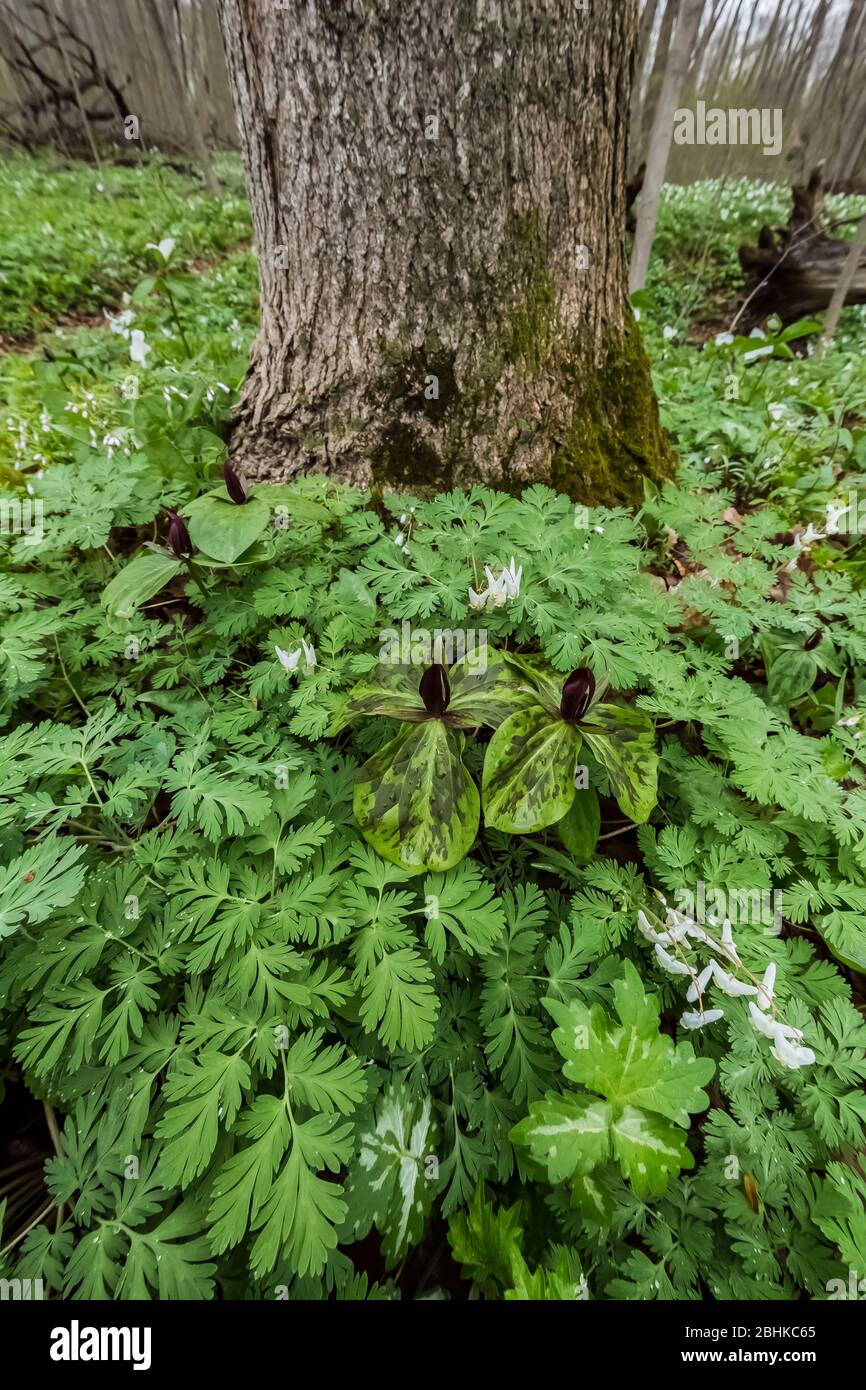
(438, 197)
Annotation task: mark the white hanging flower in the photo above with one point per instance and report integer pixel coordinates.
(138, 347)
(668, 332)
(164, 247)
(693, 1020)
(500, 588)
(290, 660)
(683, 933)
(722, 339)
(119, 323)
(728, 985)
(673, 967)
(649, 931)
(765, 989)
(792, 1055)
(477, 600)
(399, 538)
(699, 983)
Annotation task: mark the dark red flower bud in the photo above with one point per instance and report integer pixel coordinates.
(577, 694)
(178, 535)
(811, 642)
(435, 690)
(234, 487)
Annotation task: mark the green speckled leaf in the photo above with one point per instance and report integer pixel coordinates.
(389, 690)
(415, 802)
(623, 741)
(485, 696)
(528, 779)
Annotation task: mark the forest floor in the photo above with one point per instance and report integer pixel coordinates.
(733, 603)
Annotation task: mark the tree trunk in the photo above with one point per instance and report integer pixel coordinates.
(438, 197)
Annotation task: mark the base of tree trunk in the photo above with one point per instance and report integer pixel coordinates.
(432, 419)
(794, 270)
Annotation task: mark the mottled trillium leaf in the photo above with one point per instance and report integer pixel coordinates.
(388, 690)
(791, 675)
(223, 530)
(485, 690)
(139, 581)
(391, 1183)
(580, 825)
(534, 674)
(528, 779)
(414, 800)
(623, 741)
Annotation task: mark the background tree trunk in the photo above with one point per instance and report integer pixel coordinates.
(438, 197)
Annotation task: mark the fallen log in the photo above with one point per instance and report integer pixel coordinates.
(794, 270)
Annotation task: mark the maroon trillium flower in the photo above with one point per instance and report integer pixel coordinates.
(178, 535)
(234, 487)
(577, 692)
(811, 642)
(435, 690)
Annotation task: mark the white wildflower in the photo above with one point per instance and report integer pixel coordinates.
(693, 1020)
(765, 989)
(291, 660)
(138, 347)
(164, 247)
(699, 983)
(667, 962)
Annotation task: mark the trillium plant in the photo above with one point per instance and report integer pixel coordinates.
(223, 528)
(533, 773)
(415, 801)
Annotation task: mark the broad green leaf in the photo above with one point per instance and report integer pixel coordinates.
(139, 581)
(224, 530)
(791, 675)
(537, 679)
(623, 741)
(388, 690)
(415, 802)
(649, 1150)
(626, 1059)
(304, 510)
(484, 691)
(392, 1183)
(648, 1087)
(568, 1133)
(528, 778)
(580, 825)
